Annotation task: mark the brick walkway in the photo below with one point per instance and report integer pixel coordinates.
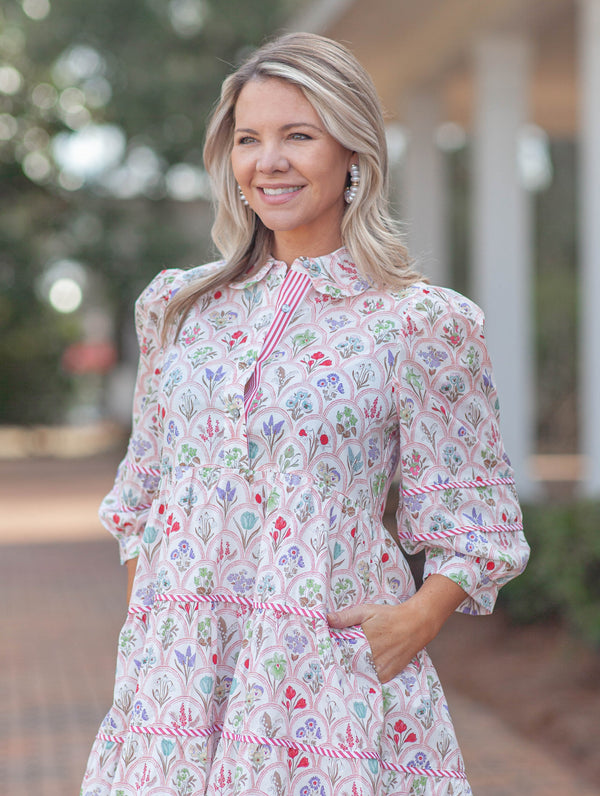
(63, 603)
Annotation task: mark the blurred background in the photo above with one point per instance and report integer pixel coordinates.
(494, 140)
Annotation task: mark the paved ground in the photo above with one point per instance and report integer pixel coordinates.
(63, 603)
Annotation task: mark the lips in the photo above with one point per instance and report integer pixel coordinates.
(280, 191)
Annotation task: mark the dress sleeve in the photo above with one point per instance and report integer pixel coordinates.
(125, 509)
(458, 500)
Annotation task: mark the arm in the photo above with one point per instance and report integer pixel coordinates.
(131, 565)
(124, 510)
(457, 497)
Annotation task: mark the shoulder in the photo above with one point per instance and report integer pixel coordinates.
(152, 301)
(166, 284)
(430, 306)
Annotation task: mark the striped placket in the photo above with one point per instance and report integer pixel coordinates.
(293, 289)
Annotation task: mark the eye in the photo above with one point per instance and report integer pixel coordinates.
(300, 137)
(245, 139)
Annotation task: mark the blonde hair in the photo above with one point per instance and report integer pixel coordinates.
(343, 95)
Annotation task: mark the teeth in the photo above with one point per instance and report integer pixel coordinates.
(278, 191)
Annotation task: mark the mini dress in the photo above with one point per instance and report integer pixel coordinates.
(265, 440)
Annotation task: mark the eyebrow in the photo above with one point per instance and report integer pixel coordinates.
(285, 127)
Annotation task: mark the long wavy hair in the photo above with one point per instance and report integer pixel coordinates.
(344, 97)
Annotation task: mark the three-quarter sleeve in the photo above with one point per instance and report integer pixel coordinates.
(125, 509)
(458, 500)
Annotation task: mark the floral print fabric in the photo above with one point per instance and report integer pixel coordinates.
(254, 518)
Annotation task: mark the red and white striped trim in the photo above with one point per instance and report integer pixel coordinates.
(286, 743)
(293, 289)
(424, 537)
(281, 608)
(137, 468)
(422, 490)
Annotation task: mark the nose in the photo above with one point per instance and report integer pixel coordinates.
(271, 159)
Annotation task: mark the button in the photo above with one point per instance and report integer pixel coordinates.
(286, 308)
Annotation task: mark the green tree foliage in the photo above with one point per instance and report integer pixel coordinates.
(144, 73)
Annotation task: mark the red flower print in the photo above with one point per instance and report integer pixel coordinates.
(290, 692)
(323, 439)
(280, 523)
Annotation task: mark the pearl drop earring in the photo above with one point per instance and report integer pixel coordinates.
(242, 197)
(350, 192)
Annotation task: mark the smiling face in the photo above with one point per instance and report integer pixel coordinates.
(291, 170)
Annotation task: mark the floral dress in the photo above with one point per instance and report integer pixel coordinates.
(265, 440)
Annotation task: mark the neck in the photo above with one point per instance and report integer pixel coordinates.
(288, 250)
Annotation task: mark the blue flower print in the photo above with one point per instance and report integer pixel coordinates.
(313, 677)
(265, 587)
(452, 458)
(440, 524)
(299, 404)
(351, 345)
(453, 388)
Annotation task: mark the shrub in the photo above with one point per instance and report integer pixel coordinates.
(563, 576)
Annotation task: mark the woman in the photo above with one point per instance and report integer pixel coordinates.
(275, 639)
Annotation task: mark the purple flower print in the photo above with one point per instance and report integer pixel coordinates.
(433, 358)
(420, 761)
(312, 788)
(150, 483)
(172, 432)
(291, 560)
(240, 581)
(185, 661)
(487, 381)
(146, 595)
(139, 446)
(414, 502)
(186, 658)
(271, 428)
(228, 493)
(310, 731)
(296, 642)
(474, 517)
(139, 713)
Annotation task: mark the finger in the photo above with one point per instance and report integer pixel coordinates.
(348, 616)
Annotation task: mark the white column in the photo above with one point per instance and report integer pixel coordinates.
(502, 238)
(425, 186)
(589, 214)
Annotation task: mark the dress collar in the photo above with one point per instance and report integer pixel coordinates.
(333, 274)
